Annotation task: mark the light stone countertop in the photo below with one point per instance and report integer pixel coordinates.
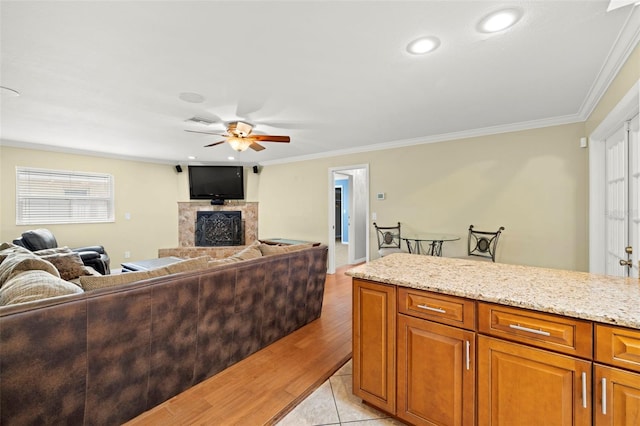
(594, 297)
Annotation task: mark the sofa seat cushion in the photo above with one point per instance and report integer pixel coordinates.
(27, 286)
(18, 262)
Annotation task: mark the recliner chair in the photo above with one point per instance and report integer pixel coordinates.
(40, 239)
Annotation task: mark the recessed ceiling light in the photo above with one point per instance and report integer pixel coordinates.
(191, 157)
(231, 158)
(500, 20)
(194, 98)
(423, 45)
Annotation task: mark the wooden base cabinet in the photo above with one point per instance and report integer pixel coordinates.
(436, 373)
(520, 385)
(617, 397)
(374, 344)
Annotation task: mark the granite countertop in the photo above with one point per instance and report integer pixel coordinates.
(583, 295)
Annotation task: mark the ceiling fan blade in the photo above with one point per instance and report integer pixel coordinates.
(256, 146)
(270, 138)
(205, 133)
(214, 144)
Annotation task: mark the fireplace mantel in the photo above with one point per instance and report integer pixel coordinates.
(187, 215)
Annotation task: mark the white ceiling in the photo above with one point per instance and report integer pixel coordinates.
(106, 76)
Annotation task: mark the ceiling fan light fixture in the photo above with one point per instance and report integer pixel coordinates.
(423, 45)
(239, 144)
(499, 20)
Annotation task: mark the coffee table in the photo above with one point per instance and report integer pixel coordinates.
(145, 265)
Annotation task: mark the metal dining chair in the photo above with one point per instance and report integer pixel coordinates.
(388, 239)
(482, 245)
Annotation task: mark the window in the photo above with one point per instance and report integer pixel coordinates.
(61, 196)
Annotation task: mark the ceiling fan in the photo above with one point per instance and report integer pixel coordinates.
(240, 137)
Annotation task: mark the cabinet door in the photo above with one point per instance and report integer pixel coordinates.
(436, 373)
(617, 397)
(522, 386)
(374, 362)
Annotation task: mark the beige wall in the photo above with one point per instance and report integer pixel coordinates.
(148, 192)
(531, 182)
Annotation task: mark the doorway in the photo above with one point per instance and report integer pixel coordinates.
(614, 179)
(351, 218)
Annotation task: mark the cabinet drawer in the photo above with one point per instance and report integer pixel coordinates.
(562, 334)
(441, 308)
(618, 346)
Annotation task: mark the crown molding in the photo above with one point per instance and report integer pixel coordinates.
(624, 45)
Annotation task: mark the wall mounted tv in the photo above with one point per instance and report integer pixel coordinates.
(216, 182)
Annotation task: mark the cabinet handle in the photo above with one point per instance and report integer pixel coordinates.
(604, 396)
(529, 330)
(429, 308)
(468, 355)
(584, 390)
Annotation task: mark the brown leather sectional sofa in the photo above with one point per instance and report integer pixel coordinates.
(105, 356)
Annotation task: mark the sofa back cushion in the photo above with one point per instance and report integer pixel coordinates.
(271, 249)
(17, 262)
(33, 285)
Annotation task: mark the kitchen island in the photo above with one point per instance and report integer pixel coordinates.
(460, 342)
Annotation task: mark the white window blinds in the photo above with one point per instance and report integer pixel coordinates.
(61, 196)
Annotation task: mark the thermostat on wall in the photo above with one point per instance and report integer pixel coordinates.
(380, 196)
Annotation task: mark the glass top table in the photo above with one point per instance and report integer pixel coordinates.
(429, 243)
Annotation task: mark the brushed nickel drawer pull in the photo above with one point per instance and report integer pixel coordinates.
(429, 308)
(604, 396)
(529, 330)
(468, 355)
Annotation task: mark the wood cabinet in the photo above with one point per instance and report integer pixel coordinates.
(520, 385)
(616, 391)
(374, 344)
(434, 359)
(617, 397)
(436, 373)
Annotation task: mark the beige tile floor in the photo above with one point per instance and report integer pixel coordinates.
(333, 403)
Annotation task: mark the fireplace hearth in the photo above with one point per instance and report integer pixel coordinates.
(219, 228)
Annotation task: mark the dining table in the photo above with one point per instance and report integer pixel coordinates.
(428, 243)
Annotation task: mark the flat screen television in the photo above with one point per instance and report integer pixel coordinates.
(216, 182)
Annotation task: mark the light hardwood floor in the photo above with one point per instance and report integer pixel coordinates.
(263, 388)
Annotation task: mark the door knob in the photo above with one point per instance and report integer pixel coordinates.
(626, 263)
(628, 250)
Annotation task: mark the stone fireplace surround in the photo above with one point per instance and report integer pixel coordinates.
(187, 216)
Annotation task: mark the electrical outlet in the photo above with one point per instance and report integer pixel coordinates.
(374, 216)
(127, 254)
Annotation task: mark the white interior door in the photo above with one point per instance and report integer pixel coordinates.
(622, 222)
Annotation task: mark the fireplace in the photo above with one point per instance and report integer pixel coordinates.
(219, 228)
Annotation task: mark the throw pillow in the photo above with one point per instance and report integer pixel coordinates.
(103, 281)
(249, 252)
(19, 262)
(33, 285)
(69, 265)
(270, 249)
